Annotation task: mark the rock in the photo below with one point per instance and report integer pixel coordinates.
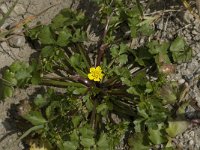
(19, 9)
(181, 81)
(5, 46)
(4, 8)
(186, 136)
(191, 142)
(194, 32)
(191, 133)
(17, 41)
(188, 17)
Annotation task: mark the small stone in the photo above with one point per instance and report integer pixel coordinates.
(194, 32)
(181, 81)
(160, 25)
(186, 136)
(191, 142)
(19, 9)
(17, 41)
(4, 8)
(5, 46)
(192, 133)
(20, 145)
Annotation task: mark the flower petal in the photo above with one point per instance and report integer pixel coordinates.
(98, 69)
(90, 76)
(96, 79)
(92, 69)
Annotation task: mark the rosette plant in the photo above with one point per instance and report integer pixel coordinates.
(100, 94)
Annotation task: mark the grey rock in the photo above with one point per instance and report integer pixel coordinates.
(5, 46)
(186, 136)
(4, 8)
(191, 133)
(181, 81)
(19, 9)
(194, 32)
(191, 142)
(17, 41)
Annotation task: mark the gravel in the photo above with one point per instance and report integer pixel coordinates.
(17, 41)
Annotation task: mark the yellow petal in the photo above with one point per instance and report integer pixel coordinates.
(96, 79)
(101, 76)
(90, 76)
(98, 69)
(92, 69)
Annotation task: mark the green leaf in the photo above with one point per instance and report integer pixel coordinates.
(9, 77)
(34, 128)
(63, 38)
(138, 124)
(86, 132)
(50, 109)
(102, 108)
(89, 104)
(180, 51)
(149, 87)
(123, 59)
(133, 91)
(177, 45)
(6, 91)
(40, 101)
(138, 142)
(35, 118)
(45, 36)
(176, 127)
(146, 29)
(139, 78)
(77, 61)
(155, 47)
(68, 17)
(76, 120)
(47, 51)
(103, 141)
(181, 57)
(78, 36)
(114, 51)
(69, 145)
(74, 136)
(167, 94)
(143, 57)
(87, 142)
(23, 74)
(80, 91)
(156, 136)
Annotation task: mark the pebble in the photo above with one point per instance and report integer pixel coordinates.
(19, 9)
(4, 8)
(186, 136)
(17, 41)
(194, 32)
(5, 46)
(191, 133)
(181, 81)
(191, 142)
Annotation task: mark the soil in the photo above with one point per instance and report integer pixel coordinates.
(175, 20)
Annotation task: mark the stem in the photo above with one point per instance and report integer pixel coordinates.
(102, 47)
(60, 83)
(140, 8)
(93, 116)
(84, 55)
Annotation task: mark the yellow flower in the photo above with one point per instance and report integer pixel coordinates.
(95, 74)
